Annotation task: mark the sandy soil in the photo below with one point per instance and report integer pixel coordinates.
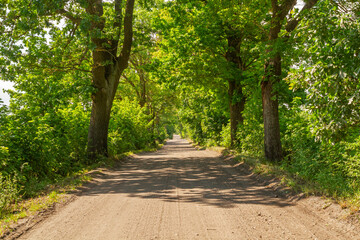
(183, 193)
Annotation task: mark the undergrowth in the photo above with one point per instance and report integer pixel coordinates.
(45, 194)
(325, 162)
(348, 196)
(45, 197)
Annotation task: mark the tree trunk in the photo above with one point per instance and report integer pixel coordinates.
(106, 71)
(280, 10)
(272, 142)
(236, 109)
(100, 114)
(236, 98)
(98, 128)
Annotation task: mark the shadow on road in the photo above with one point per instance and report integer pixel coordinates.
(179, 173)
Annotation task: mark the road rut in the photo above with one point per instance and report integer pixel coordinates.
(179, 192)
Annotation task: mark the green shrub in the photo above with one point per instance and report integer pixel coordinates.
(225, 136)
(131, 128)
(43, 147)
(333, 167)
(9, 193)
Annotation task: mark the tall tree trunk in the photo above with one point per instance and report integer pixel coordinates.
(106, 71)
(236, 97)
(100, 113)
(236, 109)
(99, 124)
(272, 142)
(280, 10)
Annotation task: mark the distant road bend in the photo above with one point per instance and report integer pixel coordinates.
(179, 192)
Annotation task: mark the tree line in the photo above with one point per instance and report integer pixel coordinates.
(277, 80)
(274, 79)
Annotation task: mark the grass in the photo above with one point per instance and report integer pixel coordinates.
(46, 198)
(262, 167)
(349, 199)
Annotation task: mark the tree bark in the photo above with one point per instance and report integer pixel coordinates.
(106, 71)
(236, 109)
(236, 97)
(99, 123)
(272, 141)
(100, 115)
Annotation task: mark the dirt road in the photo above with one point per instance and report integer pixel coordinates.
(183, 193)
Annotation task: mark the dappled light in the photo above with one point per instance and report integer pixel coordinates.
(180, 173)
(91, 83)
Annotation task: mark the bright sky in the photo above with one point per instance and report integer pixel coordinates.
(299, 4)
(4, 96)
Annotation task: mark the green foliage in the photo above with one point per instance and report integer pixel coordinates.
(9, 193)
(332, 167)
(329, 43)
(225, 136)
(44, 146)
(130, 128)
(251, 133)
(178, 74)
(202, 116)
(318, 104)
(43, 133)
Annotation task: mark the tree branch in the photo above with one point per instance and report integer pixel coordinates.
(68, 15)
(128, 35)
(133, 85)
(119, 16)
(295, 21)
(117, 26)
(285, 8)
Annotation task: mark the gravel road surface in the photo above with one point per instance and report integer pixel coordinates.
(179, 192)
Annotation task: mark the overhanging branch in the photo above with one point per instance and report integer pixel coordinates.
(128, 34)
(68, 15)
(295, 21)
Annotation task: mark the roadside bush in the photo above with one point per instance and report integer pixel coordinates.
(43, 147)
(250, 135)
(225, 136)
(170, 130)
(334, 167)
(131, 128)
(9, 193)
(74, 124)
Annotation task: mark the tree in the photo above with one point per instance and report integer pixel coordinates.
(59, 35)
(219, 41)
(328, 45)
(107, 68)
(138, 64)
(273, 72)
(244, 32)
